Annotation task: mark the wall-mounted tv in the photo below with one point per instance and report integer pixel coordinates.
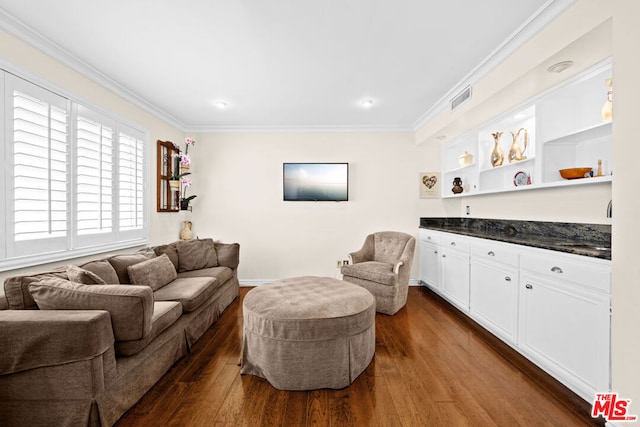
(316, 182)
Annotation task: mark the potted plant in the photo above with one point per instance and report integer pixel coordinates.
(184, 201)
(185, 160)
(175, 180)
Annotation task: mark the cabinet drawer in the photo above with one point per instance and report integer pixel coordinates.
(429, 236)
(454, 241)
(584, 273)
(495, 251)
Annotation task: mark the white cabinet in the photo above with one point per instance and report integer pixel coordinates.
(494, 288)
(552, 307)
(564, 319)
(565, 130)
(454, 253)
(430, 263)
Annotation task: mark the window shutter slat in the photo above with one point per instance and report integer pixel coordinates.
(40, 168)
(94, 176)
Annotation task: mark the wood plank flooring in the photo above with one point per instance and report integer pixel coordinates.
(432, 367)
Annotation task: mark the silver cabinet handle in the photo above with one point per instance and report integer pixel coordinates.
(491, 253)
(428, 237)
(435, 252)
(508, 279)
(557, 270)
(528, 286)
(444, 256)
(453, 243)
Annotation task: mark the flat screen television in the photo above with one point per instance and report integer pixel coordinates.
(316, 182)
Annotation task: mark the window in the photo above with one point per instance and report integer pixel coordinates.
(75, 179)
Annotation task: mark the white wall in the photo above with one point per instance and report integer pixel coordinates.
(626, 233)
(238, 180)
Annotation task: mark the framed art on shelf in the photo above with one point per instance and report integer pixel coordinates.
(429, 184)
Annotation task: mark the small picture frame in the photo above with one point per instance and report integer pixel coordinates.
(429, 184)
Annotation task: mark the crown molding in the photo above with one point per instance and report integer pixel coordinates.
(543, 16)
(18, 29)
(298, 129)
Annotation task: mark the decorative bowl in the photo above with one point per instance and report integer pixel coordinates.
(575, 173)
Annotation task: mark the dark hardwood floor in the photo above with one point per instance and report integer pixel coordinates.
(432, 367)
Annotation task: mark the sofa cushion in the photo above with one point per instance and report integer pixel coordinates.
(120, 263)
(165, 313)
(222, 274)
(154, 272)
(16, 288)
(191, 292)
(130, 307)
(86, 277)
(374, 271)
(103, 269)
(171, 252)
(196, 254)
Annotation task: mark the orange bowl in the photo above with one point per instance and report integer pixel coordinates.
(574, 173)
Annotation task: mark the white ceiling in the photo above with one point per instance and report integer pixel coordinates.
(281, 63)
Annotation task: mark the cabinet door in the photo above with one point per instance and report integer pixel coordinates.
(494, 298)
(430, 265)
(566, 330)
(455, 277)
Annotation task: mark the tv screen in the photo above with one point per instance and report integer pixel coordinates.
(318, 182)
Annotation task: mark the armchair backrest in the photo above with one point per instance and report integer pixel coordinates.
(390, 246)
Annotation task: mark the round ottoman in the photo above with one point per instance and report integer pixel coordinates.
(308, 333)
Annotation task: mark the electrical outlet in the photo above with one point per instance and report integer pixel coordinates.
(345, 262)
(339, 264)
(468, 209)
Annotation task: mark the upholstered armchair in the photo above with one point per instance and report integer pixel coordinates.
(382, 266)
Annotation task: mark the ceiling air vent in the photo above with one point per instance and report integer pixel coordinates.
(461, 97)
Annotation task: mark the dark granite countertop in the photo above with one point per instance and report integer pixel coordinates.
(593, 240)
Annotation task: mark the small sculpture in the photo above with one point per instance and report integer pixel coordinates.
(497, 156)
(607, 108)
(186, 233)
(516, 153)
(457, 185)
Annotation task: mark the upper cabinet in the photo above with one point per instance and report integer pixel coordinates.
(526, 147)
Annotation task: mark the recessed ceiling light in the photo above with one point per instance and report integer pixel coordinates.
(367, 103)
(560, 66)
(221, 105)
(441, 137)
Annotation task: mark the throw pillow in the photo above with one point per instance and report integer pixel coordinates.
(86, 277)
(196, 254)
(121, 262)
(130, 307)
(171, 252)
(155, 272)
(102, 269)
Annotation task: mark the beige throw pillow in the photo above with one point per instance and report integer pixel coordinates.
(171, 252)
(155, 273)
(102, 269)
(130, 307)
(120, 263)
(196, 254)
(86, 277)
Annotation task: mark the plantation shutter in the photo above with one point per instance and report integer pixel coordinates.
(74, 181)
(38, 194)
(94, 177)
(131, 185)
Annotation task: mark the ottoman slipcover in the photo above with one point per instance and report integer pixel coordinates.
(308, 333)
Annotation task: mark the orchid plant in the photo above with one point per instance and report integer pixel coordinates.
(186, 182)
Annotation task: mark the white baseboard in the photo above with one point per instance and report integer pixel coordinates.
(258, 282)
